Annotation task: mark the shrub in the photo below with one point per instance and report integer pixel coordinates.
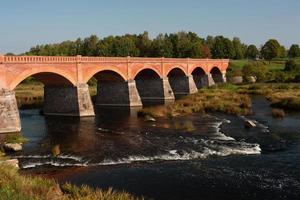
(257, 69)
(234, 70)
(292, 65)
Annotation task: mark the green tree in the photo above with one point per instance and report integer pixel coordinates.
(143, 43)
(125, 46)
(239, 48)
(222, 48)
(189, 45)
(162, 46)
(292, 65)
(210, 40)
(271, 49)
(252, 52)
(257, 69)
(294, 51)
(90, 46)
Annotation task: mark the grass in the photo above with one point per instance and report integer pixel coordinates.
(20, 187)
(273, 65)
(15, 138)
(280, 95)
(230, 99)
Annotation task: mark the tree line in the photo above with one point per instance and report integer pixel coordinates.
(178, 45)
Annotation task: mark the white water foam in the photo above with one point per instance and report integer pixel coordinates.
(211, 148)
(61, 156)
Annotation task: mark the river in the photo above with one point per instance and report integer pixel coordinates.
(193, 157)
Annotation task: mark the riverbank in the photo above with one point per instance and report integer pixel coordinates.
(230, 99)
(15, 186)
(280, 95)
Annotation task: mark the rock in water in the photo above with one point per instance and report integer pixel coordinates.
(12, 147)
(249, 124)
(11, 162)
(148, 118)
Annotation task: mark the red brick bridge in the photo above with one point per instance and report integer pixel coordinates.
(122, 81)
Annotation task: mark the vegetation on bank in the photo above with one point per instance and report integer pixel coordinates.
(280, 95)
(20, 187)
(276, 71)
(231, 99)
(216, 99)
(14, 138)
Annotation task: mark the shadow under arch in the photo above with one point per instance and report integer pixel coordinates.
(62, 97)
(200, 77)
(217, 75)
(152, 88)
(179, 82)
(47, 77)
(114, 90)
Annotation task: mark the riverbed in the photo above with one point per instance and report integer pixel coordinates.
(200, 156)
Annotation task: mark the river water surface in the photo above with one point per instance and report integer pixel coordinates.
(193, 157)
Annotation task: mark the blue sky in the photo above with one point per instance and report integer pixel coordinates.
(25, 23)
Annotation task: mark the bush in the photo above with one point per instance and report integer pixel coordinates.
(234, 70)
(257, 69)
(292, 65)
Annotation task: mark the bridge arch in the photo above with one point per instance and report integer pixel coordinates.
(97, 70)
(179, 82)
(150, 86)
(217, 75)
(176, 68)
(46, 76)
(200, 77)
(148, 72)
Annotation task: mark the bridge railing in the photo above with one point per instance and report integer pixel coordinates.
(38, 59)
(73, 59)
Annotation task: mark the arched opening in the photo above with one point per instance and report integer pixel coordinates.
(217, 75)
(114, 90)
(55, 93)
(200, 77)
(31, 91)
(52, 91)
(151, 87)
(148, 74)
(179, 82)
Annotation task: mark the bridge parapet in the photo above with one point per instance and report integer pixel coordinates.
(39, 59)
(70, 59)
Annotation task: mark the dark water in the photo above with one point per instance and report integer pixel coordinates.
(194, 157)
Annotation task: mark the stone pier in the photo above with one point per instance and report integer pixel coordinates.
(118, 94)
(155, 91)
(68, 101)
(9, 113)
(183, 85)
